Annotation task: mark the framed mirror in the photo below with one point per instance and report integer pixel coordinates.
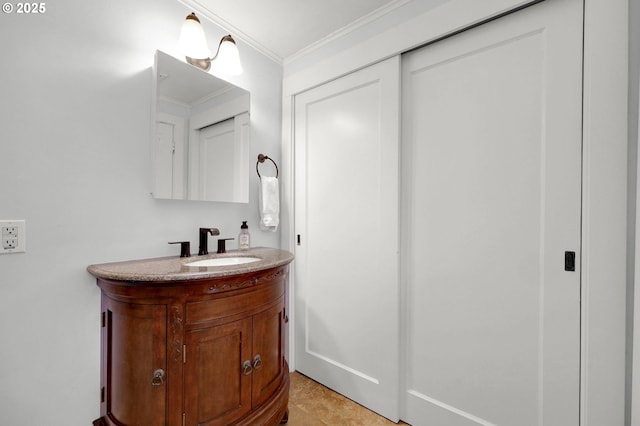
(200, 135)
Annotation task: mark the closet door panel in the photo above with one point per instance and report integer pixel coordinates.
(492, 201)
(346, 187)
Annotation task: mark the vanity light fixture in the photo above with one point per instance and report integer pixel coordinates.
(194, 46)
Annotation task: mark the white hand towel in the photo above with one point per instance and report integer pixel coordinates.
(269, 203)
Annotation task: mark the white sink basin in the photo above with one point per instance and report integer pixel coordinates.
(223, 261)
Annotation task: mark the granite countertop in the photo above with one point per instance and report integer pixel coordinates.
(174, 269)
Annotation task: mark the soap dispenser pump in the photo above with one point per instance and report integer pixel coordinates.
(244, 237)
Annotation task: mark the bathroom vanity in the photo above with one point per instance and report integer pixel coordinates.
(195, 345)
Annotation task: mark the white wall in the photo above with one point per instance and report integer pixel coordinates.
(74, 162)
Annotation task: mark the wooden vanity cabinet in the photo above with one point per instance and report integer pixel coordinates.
(134, 343)
(195, 352)
(233, 367)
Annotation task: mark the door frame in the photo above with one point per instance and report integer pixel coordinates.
(604, 180)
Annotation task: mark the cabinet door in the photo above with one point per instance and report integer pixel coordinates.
(268, 352)
(134, 348)
(216, 389)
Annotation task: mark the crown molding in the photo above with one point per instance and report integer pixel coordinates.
(358, 23)
(238, 34)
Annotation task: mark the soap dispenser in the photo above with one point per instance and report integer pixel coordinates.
(244, 237)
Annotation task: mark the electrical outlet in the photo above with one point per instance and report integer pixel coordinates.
(13, 233)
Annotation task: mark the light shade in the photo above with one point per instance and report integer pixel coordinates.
(227, 60)
(193, 45)
(193, 42)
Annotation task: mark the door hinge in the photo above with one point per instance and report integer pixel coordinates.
(102, 394)
(184, 354)
(103, 320)
(298, 239)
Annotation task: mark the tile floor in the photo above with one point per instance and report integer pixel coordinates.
(311, 404)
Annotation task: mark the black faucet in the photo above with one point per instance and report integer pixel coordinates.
(204, 239)
(185, 248)
(222, 248)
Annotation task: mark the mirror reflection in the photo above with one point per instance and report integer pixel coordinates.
(200, 137)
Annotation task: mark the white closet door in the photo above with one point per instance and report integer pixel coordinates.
(217, 156)
(491, 203)
(168, 157)
(346, 192)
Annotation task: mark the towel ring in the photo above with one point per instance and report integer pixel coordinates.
(261, 159)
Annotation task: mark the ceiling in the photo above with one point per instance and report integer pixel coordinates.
(282, 28)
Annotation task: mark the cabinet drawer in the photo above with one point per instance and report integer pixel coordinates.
(209, 310)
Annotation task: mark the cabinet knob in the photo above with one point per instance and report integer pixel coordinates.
(158, 377)
(247, 368)
(257, 362)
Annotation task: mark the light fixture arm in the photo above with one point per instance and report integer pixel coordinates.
(205, 63)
